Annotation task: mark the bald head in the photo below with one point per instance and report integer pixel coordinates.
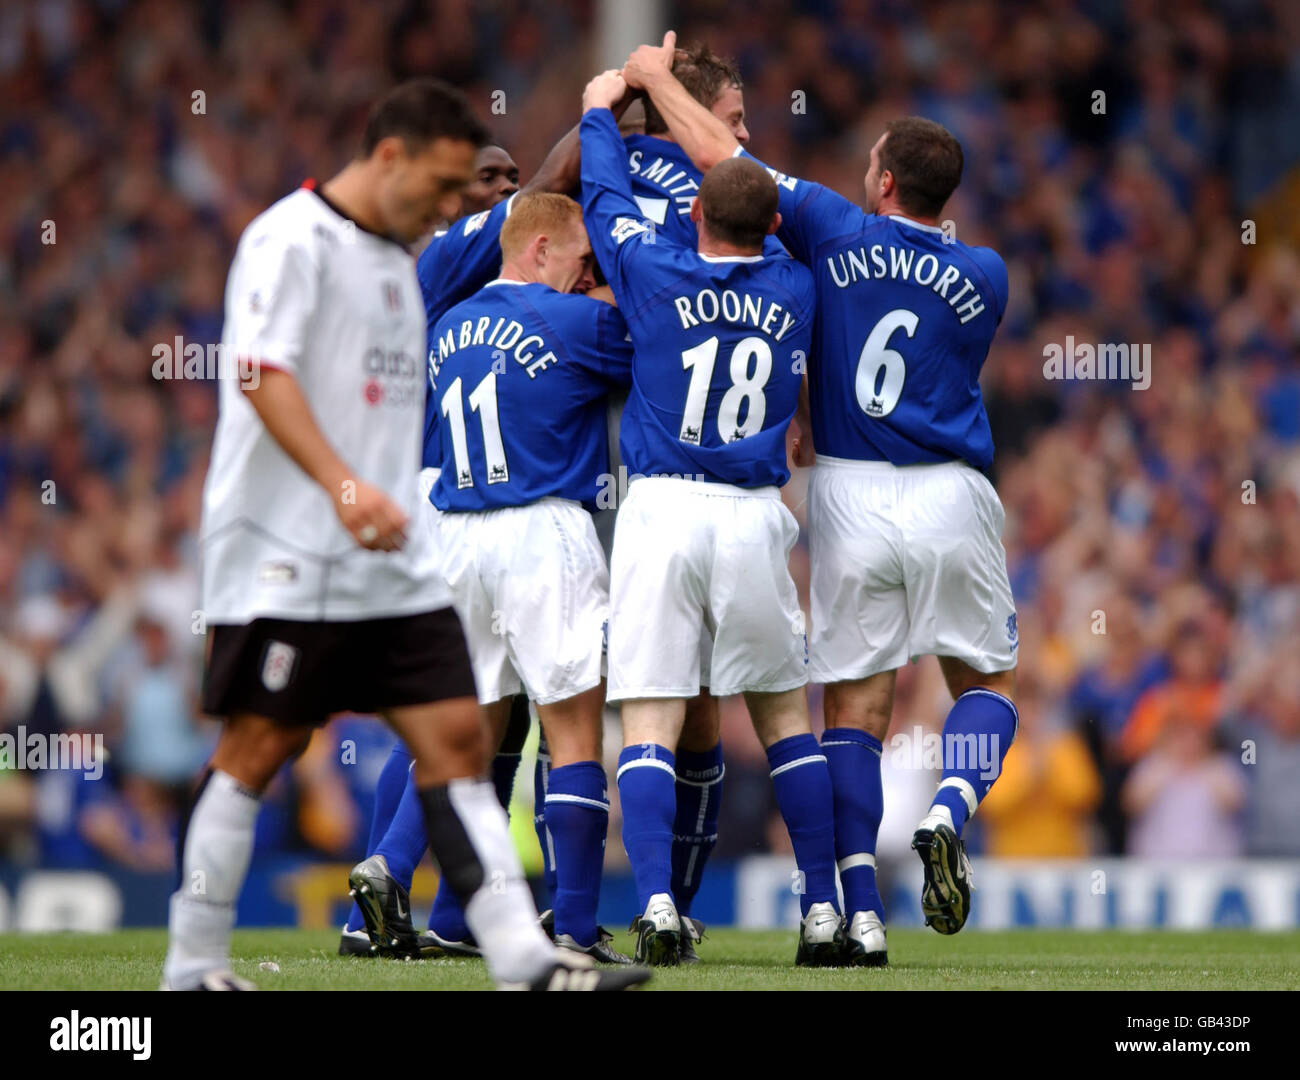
(737, 203)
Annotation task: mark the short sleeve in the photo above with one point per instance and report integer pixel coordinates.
(614, 344)
(995, 270)
(271, 300)
(810, 213)
(457, 263)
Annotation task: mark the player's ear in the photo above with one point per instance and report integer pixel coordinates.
(541, 246)
(697, 212)
(387, 150)
(774, 224)
(886, 183)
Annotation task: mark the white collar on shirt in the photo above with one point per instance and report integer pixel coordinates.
(914, 224)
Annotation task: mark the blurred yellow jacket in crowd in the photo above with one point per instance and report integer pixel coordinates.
(1042, 803)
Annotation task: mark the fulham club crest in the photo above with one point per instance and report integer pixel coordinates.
(278, 665)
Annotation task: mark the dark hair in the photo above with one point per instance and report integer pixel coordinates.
(420, 111)
(705, 75)
(926, 161)
(738, 199)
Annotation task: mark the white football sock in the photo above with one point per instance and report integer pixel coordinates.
(501, 913)
(218, 846)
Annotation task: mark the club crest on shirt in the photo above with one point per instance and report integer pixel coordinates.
(475, 222)
(625, 228)
(1012, 633)
(278, 665)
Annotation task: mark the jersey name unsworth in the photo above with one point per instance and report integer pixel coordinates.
(905, 317)
(860, 264)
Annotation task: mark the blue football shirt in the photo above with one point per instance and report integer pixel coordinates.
(720, 342)
(905, 319)
(454, 265)
(519, 374)
(664, 183)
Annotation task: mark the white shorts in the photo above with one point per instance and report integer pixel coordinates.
(906, 562)
(531, 587)
(694, 561)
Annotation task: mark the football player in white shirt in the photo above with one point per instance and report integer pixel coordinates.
(318, 576)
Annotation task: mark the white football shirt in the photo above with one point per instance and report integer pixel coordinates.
(314, 294)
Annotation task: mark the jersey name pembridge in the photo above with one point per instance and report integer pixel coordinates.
(505, 335)
(864, 264)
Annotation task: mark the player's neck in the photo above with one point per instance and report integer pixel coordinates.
(718, 249)
(352, 193)
(515, 271)
(891, 208)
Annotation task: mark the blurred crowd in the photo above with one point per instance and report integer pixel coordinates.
(1134, 164)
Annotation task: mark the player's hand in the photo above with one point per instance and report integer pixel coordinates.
(374, 520)
(801, 448)
(604, 90)
(649, 62)
(603, 293)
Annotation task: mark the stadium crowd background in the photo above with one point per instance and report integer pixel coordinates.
(1169, 517)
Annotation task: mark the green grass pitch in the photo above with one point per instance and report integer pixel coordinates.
(731, 960)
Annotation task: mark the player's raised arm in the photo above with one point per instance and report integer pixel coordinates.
(809, 212)
(611, 213)
(561, 171)
(704, 137)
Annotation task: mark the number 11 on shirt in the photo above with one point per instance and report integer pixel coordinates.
(482, 400)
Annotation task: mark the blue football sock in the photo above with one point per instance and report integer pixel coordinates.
(388, 793)
(447, 918)
(803, 792)
(695, 826)
(646, 790)
(577, 817)
(853, 758)
(405, 842)
(976, 736)
(541, 774)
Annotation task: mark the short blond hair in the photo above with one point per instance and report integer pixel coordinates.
(536, 213)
